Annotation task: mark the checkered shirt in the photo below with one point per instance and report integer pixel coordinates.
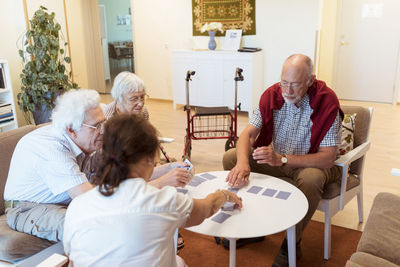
(292, 128)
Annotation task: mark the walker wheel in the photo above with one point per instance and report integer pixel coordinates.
(228, 144)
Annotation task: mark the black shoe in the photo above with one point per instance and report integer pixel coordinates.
(242, 241)
(282, 259)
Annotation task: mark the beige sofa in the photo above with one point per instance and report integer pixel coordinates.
(14, 246)
(380, 242)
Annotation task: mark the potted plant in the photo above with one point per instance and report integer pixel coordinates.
(44, 75)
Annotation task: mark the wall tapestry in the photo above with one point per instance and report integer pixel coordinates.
(233, 14)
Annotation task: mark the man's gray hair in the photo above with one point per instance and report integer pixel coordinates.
(71, 108)
(124, 83)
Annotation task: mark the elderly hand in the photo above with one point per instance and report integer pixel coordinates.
(232, 197)
(177, 177)
(181, 164)
(267, 155)
(238, 176)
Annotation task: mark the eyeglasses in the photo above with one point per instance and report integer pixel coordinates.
(140, 98)
(97, 127)
(294, 85)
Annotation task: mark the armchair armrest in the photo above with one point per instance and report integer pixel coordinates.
(345, 161)
(353, 155)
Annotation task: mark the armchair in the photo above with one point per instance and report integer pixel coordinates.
(337, 195)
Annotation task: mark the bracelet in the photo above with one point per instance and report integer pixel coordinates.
(225, 194)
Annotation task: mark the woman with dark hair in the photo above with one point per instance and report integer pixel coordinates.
(125, 221)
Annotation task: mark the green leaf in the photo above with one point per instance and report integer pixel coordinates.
(61, 51)
(67, 59)
(52, 65)
(29, 49)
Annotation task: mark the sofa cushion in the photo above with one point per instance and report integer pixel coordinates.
(8, 141)
(367, 260)
(381, 235)
(15, 245)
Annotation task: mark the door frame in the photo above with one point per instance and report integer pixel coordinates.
(94, 47)
(395, 94)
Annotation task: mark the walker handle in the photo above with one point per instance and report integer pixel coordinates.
(238, 74)
(188, 74)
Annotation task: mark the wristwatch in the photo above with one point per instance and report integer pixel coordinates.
(283, 159)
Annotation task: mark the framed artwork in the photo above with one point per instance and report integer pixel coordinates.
(233, 14)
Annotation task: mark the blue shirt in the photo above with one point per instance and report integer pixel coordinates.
(44, 166)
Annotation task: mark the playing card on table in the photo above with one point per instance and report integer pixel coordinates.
(233, 190)
(269, 192)
(220, 217)
(254, 189)
(196, 181)
(182, 190)
(208, 176)
(283, 195)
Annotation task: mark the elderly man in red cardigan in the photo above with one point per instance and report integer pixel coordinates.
(294, 133)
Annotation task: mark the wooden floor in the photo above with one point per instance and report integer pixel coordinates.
(381, 158)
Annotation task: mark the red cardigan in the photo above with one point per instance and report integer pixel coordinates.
(325, 107)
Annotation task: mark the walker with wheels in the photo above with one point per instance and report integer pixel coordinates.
(211, 122)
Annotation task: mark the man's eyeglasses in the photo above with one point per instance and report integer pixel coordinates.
(97, 127)
(294, 85)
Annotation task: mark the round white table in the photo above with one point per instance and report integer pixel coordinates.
(261, 214)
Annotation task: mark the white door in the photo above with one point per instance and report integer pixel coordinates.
(104, 41)
(367, 50)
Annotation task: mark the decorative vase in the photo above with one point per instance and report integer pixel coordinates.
(212, 44)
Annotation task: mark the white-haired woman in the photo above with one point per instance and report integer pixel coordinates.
(129, 93)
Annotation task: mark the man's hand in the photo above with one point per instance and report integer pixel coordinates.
(266, 155)
(239, 175)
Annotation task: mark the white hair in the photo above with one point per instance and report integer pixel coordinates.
(71, 108)
(124, 83)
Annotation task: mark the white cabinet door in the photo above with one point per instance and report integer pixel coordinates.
(244, 87)
(208, 83)
(213, 84)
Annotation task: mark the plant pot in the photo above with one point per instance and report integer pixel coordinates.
(41, 115)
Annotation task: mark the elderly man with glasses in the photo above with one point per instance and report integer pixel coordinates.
(45, 170)
(294, 133)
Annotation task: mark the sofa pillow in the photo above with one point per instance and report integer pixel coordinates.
(347, 139)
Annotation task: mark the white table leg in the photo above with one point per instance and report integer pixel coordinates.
(291, 240)
(232, 252)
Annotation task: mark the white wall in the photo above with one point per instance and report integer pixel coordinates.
(283, 27)
(13, 26)
(113, 9)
